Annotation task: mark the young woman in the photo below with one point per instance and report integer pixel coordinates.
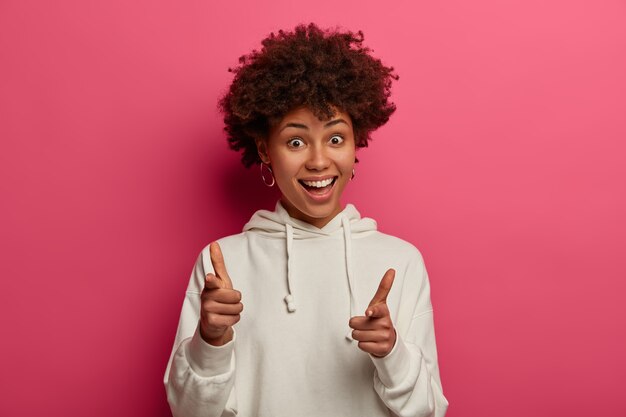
(338, 319)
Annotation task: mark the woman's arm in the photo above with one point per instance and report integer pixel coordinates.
(199, 378)
(407, 379)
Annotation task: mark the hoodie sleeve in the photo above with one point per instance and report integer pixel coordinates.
(407, 379)
(199, 378)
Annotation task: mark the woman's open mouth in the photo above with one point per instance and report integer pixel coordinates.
(318, 188)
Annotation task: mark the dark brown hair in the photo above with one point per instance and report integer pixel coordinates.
(311, 67)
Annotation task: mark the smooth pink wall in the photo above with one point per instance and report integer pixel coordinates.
(504, 164)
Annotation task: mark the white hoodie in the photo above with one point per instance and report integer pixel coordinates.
(292, 354)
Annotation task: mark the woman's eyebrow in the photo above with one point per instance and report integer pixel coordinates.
(296, 125)
(305, 127)
(334, 122)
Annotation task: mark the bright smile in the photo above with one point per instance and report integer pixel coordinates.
(318, 189)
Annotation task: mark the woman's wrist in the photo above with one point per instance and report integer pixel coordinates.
(226, 337)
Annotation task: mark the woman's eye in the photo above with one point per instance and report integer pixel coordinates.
(336, 139)
(295, 143)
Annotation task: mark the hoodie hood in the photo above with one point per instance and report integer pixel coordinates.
(278, 224)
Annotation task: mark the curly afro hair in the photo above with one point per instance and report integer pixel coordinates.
(319, 69)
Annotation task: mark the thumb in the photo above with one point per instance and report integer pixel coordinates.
(383, 288)
(217, 260)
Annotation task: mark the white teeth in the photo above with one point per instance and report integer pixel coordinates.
(319, 184)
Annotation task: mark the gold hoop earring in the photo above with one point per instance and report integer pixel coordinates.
(269, 184)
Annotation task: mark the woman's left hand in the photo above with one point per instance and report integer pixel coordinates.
(374, 331)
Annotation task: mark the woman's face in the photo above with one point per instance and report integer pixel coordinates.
(312, 161)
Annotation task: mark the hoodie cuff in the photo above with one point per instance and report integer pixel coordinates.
(393, 368)
(207, 360)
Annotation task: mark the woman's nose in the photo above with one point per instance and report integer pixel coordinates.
(318, 159)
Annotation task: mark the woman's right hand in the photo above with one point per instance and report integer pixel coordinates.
(220, 304)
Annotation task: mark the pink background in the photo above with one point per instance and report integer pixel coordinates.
(504, 164)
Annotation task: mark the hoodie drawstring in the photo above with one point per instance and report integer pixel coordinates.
(289, 300)
(347, 238)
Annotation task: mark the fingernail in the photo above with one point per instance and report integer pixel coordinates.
(369, 313)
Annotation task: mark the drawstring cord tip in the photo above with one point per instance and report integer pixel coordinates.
(291, 304)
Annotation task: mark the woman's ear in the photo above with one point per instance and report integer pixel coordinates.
(261, 147)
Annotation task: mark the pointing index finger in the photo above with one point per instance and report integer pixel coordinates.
(217, 260)
(383, 288)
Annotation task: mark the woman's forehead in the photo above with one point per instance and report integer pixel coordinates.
(305, 115)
